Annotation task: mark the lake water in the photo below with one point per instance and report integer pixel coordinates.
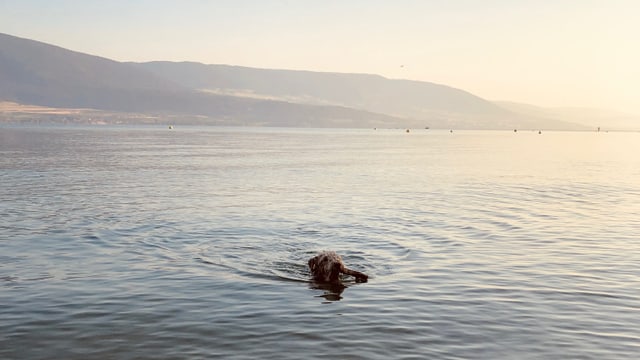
(192, 243)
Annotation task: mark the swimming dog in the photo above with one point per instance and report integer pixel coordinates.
(327, 267)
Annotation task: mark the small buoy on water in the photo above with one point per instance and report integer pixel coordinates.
(170, 127)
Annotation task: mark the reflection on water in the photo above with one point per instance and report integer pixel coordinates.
(330, 291)
(193, 243)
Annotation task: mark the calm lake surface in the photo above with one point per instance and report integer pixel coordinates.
(192, 243)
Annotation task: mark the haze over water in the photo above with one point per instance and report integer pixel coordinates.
(119, 243)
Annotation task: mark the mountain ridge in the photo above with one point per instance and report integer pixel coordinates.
(36, 73)
(367, 91)
(592, 118)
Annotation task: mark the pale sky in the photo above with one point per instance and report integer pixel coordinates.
(582, 53)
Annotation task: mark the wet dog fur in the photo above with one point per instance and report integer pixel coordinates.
(327, 267)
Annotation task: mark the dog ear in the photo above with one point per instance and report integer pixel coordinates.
(312, 264)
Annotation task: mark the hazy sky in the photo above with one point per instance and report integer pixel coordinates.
(544, 52)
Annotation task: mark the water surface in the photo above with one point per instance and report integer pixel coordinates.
(123, 243)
